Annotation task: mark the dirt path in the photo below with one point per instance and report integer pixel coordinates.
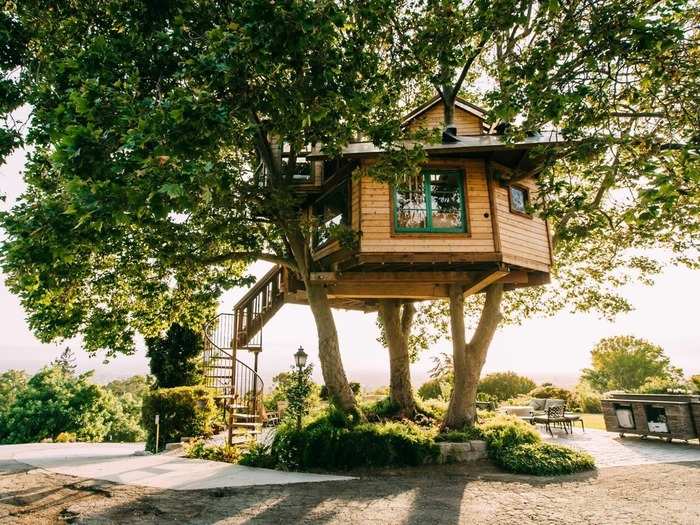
(664, 493)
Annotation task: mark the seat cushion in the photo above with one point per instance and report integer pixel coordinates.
(553, 403)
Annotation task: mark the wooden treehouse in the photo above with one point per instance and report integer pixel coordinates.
(463, 220)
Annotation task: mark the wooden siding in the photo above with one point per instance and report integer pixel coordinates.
(524, 240)
(376, 217)
(467, 123)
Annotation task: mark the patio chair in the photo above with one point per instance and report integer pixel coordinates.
(555, 417)
(574, 418)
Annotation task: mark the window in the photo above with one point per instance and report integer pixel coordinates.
(430, 202)
(519, 199)
(331, 210)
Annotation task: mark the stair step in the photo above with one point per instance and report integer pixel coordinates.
(245, 416)
(246, 425)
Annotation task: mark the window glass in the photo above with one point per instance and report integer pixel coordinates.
(430, 202)
(446, 205)
(411, 210)
(518, 199)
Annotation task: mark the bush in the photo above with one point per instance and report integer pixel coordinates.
(184, 412)
(198, 449)
(544, 459)
(502, 432)
(175, 358)
(500, 386)
(587, 399)
(431, 389)
(554, 392)
(66, 437)
(324, 444)
(461, 436)
(660, 385)
(257, 455)
(695, 383)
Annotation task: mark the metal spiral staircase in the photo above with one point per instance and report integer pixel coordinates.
(236, 384)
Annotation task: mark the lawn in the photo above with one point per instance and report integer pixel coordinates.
(593, 421)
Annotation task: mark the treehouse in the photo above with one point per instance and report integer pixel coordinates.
(464, 219)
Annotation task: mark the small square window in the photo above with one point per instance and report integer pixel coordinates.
(518, 199)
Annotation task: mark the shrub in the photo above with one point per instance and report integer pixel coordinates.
(502, 432)
(461, 436)
(504, 385)
(324, 444)
(434, 408)
(257, 455)
(660, 385)
(587, 399)
(554, 392)
(430, 389)
(175, 358)
(198, 449)
(184, 412)
(66, 437)
(695, 382)
(544, 459)
(382, 409)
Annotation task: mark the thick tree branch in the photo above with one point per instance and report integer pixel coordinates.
(249, 256)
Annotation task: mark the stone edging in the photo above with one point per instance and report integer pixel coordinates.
(461, 452)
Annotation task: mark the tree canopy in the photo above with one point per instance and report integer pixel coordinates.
(175, 358)
(627, 363)
(155, 171)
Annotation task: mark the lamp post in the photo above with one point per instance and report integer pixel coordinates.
(300, 360)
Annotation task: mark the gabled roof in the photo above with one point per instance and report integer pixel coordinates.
(459, 102)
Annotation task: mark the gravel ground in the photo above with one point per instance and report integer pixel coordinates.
(451, 494)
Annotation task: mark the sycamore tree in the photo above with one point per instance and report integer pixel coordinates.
(155, 173)
(619, 80)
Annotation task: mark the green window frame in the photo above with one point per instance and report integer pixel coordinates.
(424, 183)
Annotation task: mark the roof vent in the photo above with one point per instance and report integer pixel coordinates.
(449, 135)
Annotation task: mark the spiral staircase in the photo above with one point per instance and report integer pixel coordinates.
(237, 385)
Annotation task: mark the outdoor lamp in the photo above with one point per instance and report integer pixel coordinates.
(300, 357)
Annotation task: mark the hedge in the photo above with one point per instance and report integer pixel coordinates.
(186, 411)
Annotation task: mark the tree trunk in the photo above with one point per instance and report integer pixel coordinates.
(328, 346)
(448, 109)
(397, 318)
(468, 358)
(329, 349)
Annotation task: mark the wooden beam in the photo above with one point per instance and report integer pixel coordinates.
(405, 277)
(483, 283)
(415, 291)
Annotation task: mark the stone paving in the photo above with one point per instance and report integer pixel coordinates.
(610, 450)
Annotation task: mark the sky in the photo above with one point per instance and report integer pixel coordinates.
(554, 349)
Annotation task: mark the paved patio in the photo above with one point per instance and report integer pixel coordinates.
(610, 450)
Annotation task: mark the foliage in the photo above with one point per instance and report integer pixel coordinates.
(66, 361)
(257, 455)
(517, 447)
(354, 386)
(504, 385)
(186, 411)
(56, 402)
(587, 399)
(66, 437)
(297, 393)
(12, 382)
(504, 432)
(333, 442)
(198, 449)
(554, 392)
(461, 436)
(626, 363)
(136, 385)
(544, 459)
(695, 382)
(431, 389)
(174, 359)
(664, 385)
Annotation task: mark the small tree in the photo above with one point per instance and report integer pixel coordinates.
(174, 359)
(626, 363)
(695, 382)
(297, 391)
(66, 361)
(505, 385)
